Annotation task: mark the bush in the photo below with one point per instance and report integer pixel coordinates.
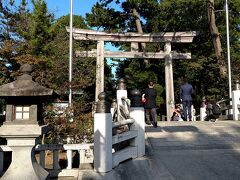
(77, 126)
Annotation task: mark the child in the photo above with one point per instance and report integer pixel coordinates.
(177, 114)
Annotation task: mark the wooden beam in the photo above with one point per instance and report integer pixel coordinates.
(91, 35)
(139, 55)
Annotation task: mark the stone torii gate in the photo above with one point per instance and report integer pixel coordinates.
(134, 39)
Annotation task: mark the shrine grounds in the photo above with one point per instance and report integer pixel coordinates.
(182, 151)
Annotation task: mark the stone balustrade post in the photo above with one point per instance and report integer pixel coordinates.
(236, 101)
(138, 114)
(56, 159)
(121, 92)
(113, 106)
(136, 98)
(237, 85)
(69, 159)
(102, 136)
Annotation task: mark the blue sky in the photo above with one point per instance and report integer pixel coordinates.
(80, 7)
(62, 7)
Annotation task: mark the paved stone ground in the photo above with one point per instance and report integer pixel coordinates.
(183, 151)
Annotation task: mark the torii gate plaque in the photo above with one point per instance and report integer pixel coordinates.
(134, 39)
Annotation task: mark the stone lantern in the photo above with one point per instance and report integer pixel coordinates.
(24, 124)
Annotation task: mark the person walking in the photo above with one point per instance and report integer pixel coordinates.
(150, 104)
(186, 91)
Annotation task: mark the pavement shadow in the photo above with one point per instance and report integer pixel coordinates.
(187, 128)
(180, 129)
(153, 129)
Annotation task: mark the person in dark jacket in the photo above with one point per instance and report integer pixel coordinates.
(186, 91)
(150, 105)
(213, 111)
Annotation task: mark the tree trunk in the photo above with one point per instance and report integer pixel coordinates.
(139, 29)
(216, 38)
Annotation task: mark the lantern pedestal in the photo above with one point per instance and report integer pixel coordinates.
(22, 139)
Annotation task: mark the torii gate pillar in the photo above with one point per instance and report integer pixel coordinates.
(169, 88)
(99, 69)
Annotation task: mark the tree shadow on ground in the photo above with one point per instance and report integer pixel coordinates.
(180, 129)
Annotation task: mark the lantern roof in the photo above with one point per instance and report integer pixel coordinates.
(24, 86)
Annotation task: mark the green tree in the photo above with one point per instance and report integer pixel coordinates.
(173, 16)
(9, 38)
(203, 69)
(40, 31)
(21, 40)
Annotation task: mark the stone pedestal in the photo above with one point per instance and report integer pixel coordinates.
(22, 139)
(236, 104)
(138, 114)
(102, 142)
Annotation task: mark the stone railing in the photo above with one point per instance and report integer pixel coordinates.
(230, 107)
(85, 156)
(118, 135)
(106, 156)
